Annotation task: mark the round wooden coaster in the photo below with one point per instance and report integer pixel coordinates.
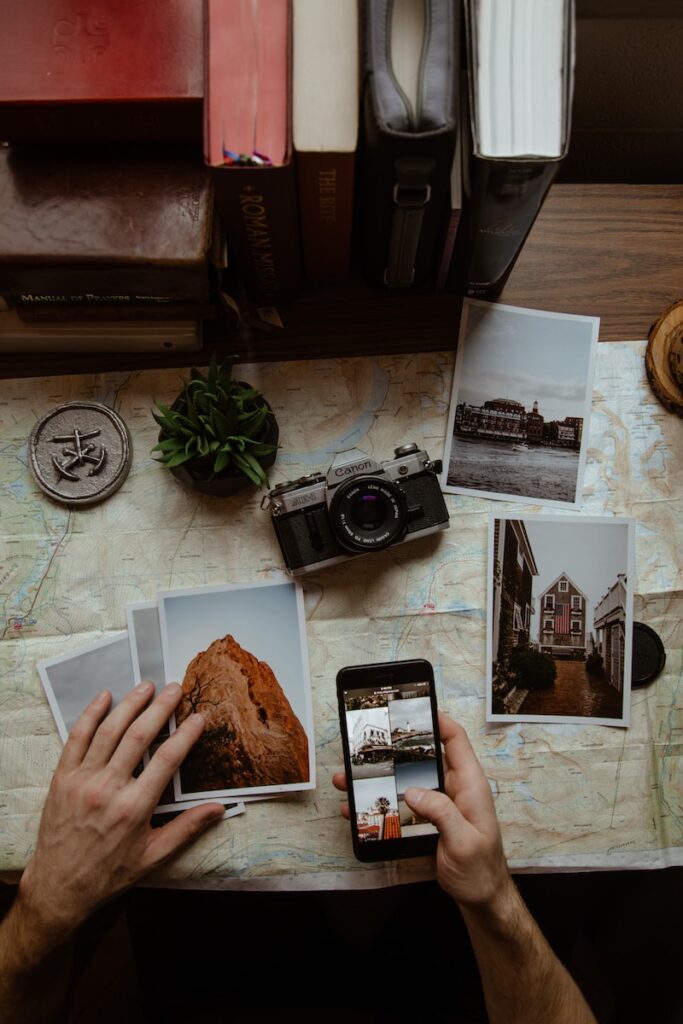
(664, 341)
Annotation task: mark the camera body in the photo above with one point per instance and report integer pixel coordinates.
(361, 505)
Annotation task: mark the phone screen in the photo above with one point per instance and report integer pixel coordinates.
(391, 742)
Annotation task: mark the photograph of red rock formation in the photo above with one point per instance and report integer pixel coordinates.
(252, 736)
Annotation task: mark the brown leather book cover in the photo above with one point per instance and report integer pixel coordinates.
(79, 221)
(325, 182)
(123, 70)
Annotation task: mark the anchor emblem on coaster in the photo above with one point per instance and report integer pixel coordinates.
(79, 454)
(94, 457)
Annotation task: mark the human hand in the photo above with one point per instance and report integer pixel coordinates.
(470, 863)
(95, 839)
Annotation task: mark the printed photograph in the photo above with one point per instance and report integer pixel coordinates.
(72, 680)
(520, 404)
(240, 654)
(367, 698)
(376, 809)
(412, 734)
(370, 742)
(144, 634)
(416, 773)
(560, 619)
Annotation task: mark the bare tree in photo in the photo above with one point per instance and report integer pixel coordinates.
(197, 698)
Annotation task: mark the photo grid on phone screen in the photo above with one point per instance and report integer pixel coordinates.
(392, 747)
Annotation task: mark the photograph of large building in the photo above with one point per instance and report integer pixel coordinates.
(520, 401)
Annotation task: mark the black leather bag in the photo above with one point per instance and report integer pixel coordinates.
(407, 153)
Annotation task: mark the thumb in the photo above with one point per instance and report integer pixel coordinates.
(168, 839)
(436, 807)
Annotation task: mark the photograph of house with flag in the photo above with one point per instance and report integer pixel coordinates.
(562, 626)
(560, 619)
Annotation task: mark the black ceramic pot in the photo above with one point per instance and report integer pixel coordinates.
(199, 477)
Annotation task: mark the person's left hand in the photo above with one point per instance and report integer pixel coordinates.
(95, 839)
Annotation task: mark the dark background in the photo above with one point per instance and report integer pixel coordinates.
(627, 121)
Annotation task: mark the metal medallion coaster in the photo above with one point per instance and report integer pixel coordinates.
(80, 453)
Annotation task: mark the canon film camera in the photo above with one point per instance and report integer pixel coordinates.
(360, 506)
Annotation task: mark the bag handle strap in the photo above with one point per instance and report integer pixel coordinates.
(411, 195)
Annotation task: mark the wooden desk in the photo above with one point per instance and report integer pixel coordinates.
(613, 251)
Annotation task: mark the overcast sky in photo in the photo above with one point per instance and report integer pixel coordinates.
(591, 555)
(526, 357)
(263, 619)
(79, 678)
(367, 791)
(414, 713)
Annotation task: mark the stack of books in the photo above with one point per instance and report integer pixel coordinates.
(268, 111)
(107, 235)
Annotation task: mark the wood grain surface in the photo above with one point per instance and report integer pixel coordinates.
(613, 251)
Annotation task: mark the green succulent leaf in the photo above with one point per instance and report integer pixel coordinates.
(248, 470)
(223, 459)
(176, 460)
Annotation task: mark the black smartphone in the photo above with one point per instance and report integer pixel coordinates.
(390, 736)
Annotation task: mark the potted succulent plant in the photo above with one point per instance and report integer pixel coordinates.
(219, 435)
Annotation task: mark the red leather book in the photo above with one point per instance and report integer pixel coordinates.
(120, 70)
(248, 142)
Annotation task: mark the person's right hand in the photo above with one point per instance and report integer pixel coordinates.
(470, 863)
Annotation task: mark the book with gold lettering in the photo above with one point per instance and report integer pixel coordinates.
(248, 142)
(325, 130)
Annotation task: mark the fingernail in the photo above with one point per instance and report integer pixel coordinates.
(101, 697)
(144, 687)
(414, 796)
(172, 686)
(197, 719)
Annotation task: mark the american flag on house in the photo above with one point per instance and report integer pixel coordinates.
(562, 620)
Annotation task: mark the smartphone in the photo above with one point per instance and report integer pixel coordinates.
(390, 737)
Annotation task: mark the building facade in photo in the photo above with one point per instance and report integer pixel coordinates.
(609, 623)
(514, 567)
(562, 623)
(366, 735)
(504, 419)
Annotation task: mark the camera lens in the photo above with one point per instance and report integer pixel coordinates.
(368, 511)
(368, 514)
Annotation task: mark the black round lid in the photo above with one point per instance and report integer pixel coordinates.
(649, 657)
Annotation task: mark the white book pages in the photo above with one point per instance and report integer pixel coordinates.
(325, 76)
(519, 76)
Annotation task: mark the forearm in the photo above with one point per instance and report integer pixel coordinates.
(35, 969)
(523, 980)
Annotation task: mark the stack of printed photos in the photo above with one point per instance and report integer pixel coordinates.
(240, 655)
